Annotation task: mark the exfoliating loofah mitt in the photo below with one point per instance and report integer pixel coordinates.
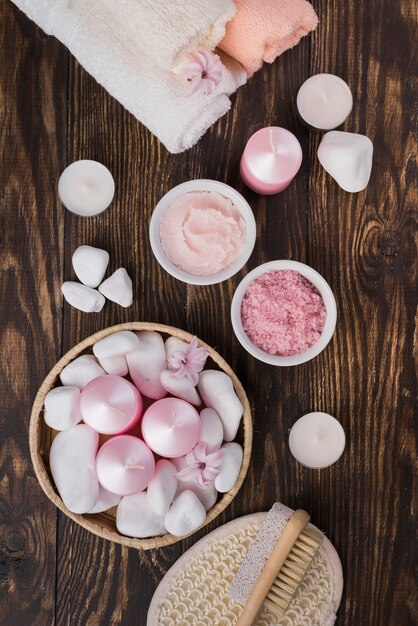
(195, 591)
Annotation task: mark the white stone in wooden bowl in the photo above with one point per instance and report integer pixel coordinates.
(41, 436)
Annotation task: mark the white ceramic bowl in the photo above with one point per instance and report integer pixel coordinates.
(324, 289)
(202, 185)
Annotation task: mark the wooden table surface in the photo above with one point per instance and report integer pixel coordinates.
(52, 113)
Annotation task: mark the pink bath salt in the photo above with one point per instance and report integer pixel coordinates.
(283, 313)
(202, 233)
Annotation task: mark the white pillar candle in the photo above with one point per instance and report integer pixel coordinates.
(317, 440)
(86, 188)
(324, 101)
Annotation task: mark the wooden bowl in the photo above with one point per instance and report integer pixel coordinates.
(41, 437)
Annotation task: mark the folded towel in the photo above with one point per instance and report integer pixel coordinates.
(159, 99)
(167, 30)
(262, 29)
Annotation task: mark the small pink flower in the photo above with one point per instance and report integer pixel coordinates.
(188, 363)
(202, 467)
(204, 72)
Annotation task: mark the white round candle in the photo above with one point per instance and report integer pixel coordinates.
(317, 440)
(324, 101)
(86, 188)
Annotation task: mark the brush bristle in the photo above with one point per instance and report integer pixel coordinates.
(292, 571)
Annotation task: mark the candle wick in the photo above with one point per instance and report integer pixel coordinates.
(175, 422)
(114, 408)
(274, 148)
(142, 467)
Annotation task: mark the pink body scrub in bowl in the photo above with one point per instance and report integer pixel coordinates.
(284, 313)
(202, 232)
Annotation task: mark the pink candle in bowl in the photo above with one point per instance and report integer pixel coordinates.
(271, 160)
(171, 427)
(125, 465)
(111, 404)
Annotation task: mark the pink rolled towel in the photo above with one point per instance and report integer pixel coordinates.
(261, 30)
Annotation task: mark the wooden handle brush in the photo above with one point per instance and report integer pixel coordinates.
(283, 570)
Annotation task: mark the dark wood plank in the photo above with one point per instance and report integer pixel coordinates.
(363, 244)
(99, 128)
(33, 135)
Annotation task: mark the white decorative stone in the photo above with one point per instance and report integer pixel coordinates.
(117, 365)
(212, 432)
(81, 371)
(116, 344)
(180, 387)
(118, 288)
(82, 298)
(146, 364)
(90, 265)
(185, 515)
(162, 488)
(347, 157)
(207, 495)
(72, 459)
(105, 501)
(134, 518)
(217, 392)
(61, 407)
(174, 344)
(230, 468)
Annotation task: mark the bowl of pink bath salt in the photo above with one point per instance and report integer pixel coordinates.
(202, 232)
(284, 313)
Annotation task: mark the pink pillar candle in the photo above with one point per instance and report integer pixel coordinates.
(125, 465)
(171, 427)
(110, 404)
(271, 160)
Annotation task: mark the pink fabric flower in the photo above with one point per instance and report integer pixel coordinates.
(204, 72)
(202, 467)
(188, 363)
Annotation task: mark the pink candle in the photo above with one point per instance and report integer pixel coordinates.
(110, 404)
(125, 465)
(271, 160)
(171, 427)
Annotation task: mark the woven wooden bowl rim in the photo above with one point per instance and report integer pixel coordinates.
(99, 523)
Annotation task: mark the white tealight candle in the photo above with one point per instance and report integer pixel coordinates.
(86, 188)
(317, 440)
(324, 101)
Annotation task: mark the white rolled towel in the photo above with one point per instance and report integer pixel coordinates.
(167, 30)
(110, 53)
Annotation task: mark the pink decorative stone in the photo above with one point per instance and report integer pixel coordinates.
(125, 465)
(283, 313)
(202, 232)
(171, 427)
(111, 404)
